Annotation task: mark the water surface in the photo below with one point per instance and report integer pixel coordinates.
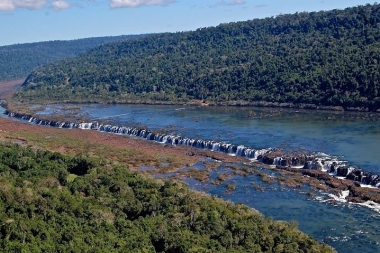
(354, 137)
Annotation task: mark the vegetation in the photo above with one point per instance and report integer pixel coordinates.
(318, 58)
(17, 61)
(55, 203)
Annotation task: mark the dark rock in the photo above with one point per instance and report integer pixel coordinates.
(342, 171)
(355, 175)
(298, 161)
(333, 167)
(313, 165)
(284, 162)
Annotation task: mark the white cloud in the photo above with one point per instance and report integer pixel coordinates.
(60, 5)
(138, 3)
(6, 5)
(9, 5)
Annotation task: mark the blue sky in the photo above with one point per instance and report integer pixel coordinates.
(23, 21)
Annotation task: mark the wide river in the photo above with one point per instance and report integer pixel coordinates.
(347, 136)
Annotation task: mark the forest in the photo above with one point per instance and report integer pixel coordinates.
(325, 58)
(17, 61)
(50, 202)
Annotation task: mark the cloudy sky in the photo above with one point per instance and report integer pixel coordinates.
(23, 21)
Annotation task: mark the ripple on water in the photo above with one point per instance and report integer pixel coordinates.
(348, 227)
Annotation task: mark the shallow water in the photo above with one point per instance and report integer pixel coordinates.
(349, 228)
(354, 137)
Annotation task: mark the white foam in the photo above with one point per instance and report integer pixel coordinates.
(344, 194)
(341, 197)
(85, 126)
(370, 204)
(298, 167)
(367, 186)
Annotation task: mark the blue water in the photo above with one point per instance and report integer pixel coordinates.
(354, 137)
(349, 228)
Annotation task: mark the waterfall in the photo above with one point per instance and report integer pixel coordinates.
(277, 161)
(318, 161)
(85, 126)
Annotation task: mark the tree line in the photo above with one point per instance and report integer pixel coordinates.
(18, 60)
(328, 58)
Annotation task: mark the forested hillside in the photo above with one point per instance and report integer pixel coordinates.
(55, 203)
(323, 58)
(19, 60)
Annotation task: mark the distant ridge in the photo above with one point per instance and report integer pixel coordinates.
(19, 60)
(319, 59)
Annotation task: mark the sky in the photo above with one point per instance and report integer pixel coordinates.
(25, 21)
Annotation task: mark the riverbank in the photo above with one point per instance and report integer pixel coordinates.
(133, 152)
(15, 106)
(130, 151)
(9, 88)
(139, 154)
(313, 177)
(117, 210)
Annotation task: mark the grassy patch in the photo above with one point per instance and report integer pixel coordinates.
(71, 177)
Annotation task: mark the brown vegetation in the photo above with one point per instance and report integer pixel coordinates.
(120, 149)
(7, 89)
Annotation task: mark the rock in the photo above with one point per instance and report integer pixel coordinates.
(268, 158)
(333, 167)
(313, 165)
(298, 161)
(355, 175)
(362, 194)
(316, 174)
(342, 171)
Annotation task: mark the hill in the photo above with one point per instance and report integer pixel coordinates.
(17, 61)
(327, 58)
(57, 203)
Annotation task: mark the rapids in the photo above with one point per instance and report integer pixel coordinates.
(340, 143)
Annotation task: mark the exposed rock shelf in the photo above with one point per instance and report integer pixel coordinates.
(326, 169)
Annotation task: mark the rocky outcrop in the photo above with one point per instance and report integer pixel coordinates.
(362, 194)
(309, 164)
(321, 169)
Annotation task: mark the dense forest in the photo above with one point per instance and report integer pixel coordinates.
(51, 202)
(326, 58)
(17, 61)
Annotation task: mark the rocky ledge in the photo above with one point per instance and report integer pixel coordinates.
(362, 185)
(332, 173)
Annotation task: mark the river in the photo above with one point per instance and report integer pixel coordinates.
(346, 136)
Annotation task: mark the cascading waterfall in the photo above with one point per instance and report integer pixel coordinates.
(318, 161)
(223, 147)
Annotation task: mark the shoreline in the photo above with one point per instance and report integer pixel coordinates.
(234, 103)
(193, 155)
(267, 159)
(9, 88)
